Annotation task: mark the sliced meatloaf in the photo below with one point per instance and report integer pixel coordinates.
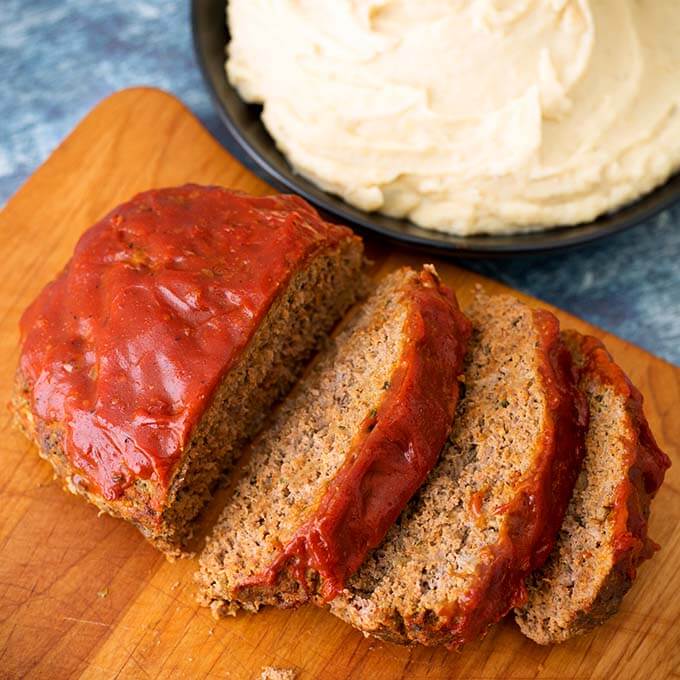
(604, 535)
(154, 355)
(456, 560)
(344, 453)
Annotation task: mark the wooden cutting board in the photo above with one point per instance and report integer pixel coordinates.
(85, 596)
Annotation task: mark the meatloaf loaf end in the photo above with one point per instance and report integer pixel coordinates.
(154, 355)
(604, 535)
(456, 560)
(344, 453)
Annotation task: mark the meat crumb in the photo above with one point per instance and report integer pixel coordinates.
(271, 673)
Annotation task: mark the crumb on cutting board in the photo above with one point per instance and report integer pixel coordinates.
(271, 673)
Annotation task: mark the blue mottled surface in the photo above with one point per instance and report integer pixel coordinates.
(59, 58)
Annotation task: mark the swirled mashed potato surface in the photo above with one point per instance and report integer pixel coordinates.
(468, 116)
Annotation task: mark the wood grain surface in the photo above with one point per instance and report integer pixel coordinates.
(85, 596)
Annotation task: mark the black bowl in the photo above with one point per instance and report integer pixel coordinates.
(252, 143)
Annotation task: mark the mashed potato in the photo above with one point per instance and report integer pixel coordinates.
(468, 116)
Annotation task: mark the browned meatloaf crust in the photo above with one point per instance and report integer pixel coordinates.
(345, 452)
(155, 354)
(457, 558)
(604, 535)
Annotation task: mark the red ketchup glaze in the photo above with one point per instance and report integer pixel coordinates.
(126, 346)
(645, 461)
(533, 518)
(393, 453)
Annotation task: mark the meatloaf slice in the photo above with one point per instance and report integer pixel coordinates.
(604, 535)
(154, 355)
(344, 452)
(456, 559)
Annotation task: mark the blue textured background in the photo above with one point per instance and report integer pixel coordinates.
(59, 58)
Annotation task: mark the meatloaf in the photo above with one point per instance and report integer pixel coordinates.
(344, 453)
(604, 535)
(456, 560)
(155, 354)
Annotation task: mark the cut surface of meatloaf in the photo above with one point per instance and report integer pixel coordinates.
(154, 355)
(456, 560)
(604, 535)
(344, 452)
